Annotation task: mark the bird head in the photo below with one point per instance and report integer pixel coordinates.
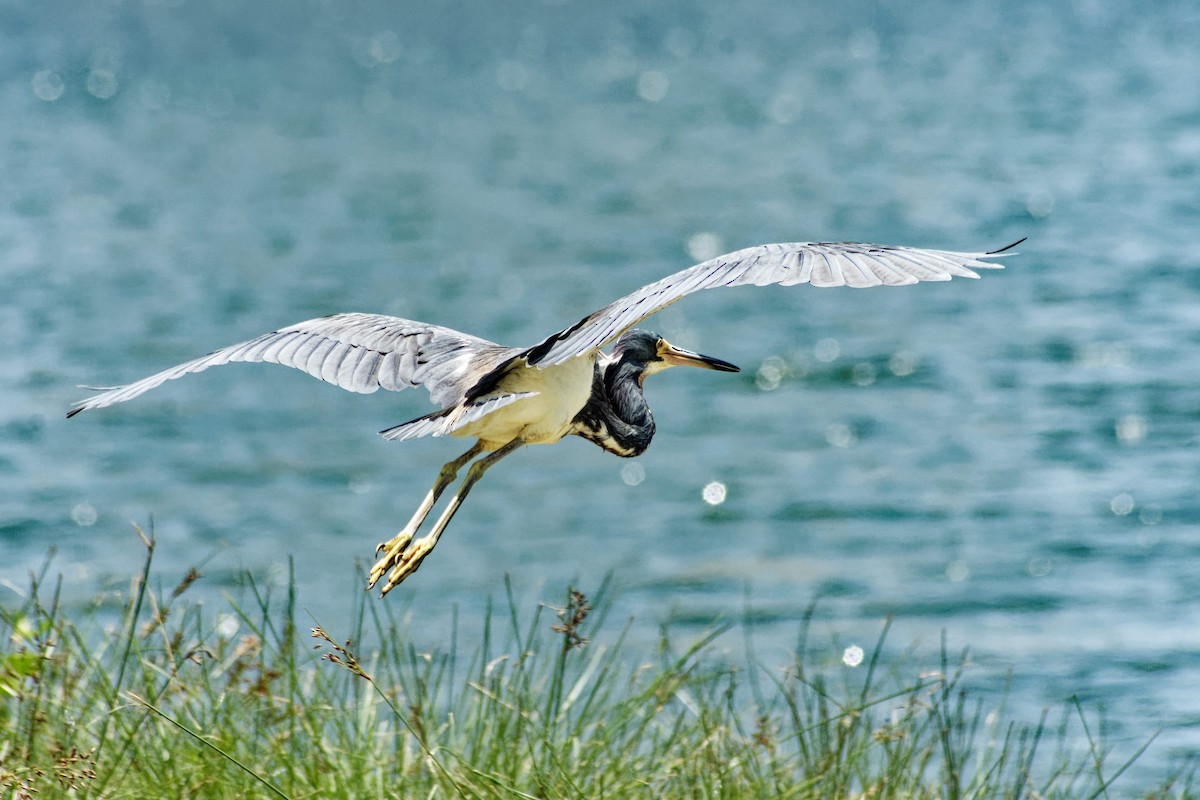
(649, 353)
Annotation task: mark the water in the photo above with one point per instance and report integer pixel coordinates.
(1011, 461)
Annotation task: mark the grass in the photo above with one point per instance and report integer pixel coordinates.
(164, 705)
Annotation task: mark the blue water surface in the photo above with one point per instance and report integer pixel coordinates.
(1010, 463)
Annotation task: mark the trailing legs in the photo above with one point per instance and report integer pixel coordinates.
(401, 554)
(445, 478)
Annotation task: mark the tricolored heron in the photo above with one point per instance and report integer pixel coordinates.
(507, 397)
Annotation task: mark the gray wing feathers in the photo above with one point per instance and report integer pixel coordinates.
(449, 420)
(358, 352)
(821, 264)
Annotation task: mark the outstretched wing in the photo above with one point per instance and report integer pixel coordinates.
(819, 264)
(358, 352)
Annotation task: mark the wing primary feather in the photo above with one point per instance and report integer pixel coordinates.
(1006, 248)
(318, 359)
(366, 372)
(830, 276)
(885, 270)
(347, 367)
(921, 270)
(866, 277)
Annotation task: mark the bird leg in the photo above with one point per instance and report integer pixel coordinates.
(404, 560)
(445, 478)
(395, 546)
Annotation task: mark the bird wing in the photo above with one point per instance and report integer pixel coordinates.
(358, 352)
(448, 420)
(820, 264)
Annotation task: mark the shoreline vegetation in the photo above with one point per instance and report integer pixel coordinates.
(545, 705)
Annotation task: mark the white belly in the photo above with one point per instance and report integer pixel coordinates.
(544, 418)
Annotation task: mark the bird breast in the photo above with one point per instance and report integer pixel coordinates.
(561, 391)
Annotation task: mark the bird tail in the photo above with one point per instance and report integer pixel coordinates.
(448, 420)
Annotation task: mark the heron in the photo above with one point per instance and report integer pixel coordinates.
(564, 385)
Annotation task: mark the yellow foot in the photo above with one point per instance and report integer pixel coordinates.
(392, 549)
(401, 559)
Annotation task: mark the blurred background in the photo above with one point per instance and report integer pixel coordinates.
(1009, 462)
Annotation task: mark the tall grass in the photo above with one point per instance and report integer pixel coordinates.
(165, 705)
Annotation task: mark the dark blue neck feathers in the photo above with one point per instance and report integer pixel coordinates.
(617, 416)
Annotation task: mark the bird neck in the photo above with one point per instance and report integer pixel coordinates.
(623, 387)
(616, 416)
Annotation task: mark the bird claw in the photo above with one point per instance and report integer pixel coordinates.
(400, 558)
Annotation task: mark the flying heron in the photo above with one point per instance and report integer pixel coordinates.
(507, 397)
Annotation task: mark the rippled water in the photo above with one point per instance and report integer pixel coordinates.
(1012, 461)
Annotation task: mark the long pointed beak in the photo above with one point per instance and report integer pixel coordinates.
(678, 357)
